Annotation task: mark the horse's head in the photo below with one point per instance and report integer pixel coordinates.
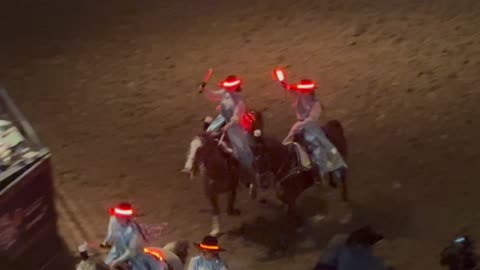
(179, 248)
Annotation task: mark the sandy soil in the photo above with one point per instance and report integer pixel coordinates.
(109, 87)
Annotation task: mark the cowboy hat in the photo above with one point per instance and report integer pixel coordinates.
(122, 209)
(209, 243)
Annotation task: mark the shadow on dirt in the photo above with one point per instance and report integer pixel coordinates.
(62, 259)
(280, 237)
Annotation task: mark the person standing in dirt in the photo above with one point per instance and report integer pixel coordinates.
(209, 259)
(232, 108)
(127, 241)
(308, 110)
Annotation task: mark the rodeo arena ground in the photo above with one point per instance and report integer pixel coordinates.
(105, 125)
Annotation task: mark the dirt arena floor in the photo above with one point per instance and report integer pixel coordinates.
(110, 88)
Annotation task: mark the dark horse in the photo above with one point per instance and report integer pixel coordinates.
(220, 173)
(290, 177)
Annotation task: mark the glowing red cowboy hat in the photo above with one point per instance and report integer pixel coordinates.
(122, 210)
(305, 86)
(209, 243)
(231, 83)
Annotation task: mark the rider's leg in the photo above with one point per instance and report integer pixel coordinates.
(195, 144)
(241, 150)
(216, 124)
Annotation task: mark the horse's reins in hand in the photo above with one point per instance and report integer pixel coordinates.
(221, 138)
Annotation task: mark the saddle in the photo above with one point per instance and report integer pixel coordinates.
(303, 158)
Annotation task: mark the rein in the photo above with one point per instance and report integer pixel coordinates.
(293, 171)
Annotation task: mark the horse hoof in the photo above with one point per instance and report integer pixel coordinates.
(233, 212)
(319, 218)
(346, 219)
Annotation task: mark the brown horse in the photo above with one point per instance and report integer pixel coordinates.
(220, 173)
(291, 179)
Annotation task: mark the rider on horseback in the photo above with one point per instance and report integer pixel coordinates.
(308, 109)
(127, 241)
(232, 108)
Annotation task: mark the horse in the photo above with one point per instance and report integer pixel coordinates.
(220, 172)
(291, 179)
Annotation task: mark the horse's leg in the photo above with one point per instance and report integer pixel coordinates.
(293, 216)
(215, 215)
(345, 198)
(213, 198)
(188, 168)
(343, 184)
(232, 196)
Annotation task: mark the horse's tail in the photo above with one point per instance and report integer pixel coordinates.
(335, 133)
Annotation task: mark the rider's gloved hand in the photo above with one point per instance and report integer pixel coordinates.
(201, 87)
(105, 245)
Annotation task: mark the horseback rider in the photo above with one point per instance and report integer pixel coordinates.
(308, 110)
(232, 108)
(127, 241)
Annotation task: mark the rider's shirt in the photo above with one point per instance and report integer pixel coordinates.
(199, 263)
(308, 111)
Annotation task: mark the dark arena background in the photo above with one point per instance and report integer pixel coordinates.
(110, 88)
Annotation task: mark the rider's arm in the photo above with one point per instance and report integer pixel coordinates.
(134, 247)
(125, 256)
(297, 127)
(237, 114)
(315, 112)
(213, 95)
(111, 224)
(314, 115)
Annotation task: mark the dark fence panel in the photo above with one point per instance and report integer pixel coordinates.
(28, 229)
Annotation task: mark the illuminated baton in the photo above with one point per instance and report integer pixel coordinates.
(280, 76)
(206, 79)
